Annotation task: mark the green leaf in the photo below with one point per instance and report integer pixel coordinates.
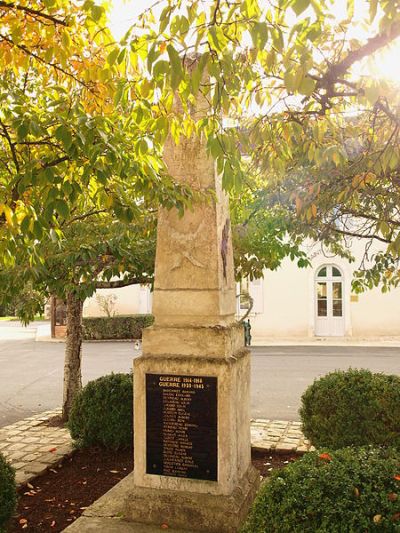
(259, 35)
(112, 56)
(25, 224)
(176, 67)
(216, 38)
(161, 68)
(37, 229)
(307, 86)
(63, 134)
(97, 12)
(299, 6)
(290, 81)
(61, 207)
(164, 18)
(23, 130)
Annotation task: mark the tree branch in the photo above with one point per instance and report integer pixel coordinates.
(337, 70)
(34, 12)
(123, 283)
(85, 215)
(385, 109)
(28, 52)
(56, 162)
(11, 145)
(358, 235)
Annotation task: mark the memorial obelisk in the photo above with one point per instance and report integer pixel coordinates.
(191, 385)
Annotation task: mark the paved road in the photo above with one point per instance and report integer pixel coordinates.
(280, 374)
(31, 372)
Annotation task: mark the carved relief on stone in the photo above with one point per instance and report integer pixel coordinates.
(187, 244)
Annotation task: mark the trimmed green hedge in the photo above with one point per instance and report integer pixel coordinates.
(8, 493)
(352, 408)
(116, 327)
(102, 413)
(350, 490)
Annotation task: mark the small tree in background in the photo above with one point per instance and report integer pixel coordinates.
(107, 303)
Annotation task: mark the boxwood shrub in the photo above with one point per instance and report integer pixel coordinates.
(352, 408)
(102, 413)
(115, 327)
(8, 493)
(348, 490)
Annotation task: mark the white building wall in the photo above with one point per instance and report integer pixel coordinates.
(285, 301)
(376, 314)
(285, 294)
(128, 302)
(289, 301)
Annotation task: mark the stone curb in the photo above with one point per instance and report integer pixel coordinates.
(32, 447)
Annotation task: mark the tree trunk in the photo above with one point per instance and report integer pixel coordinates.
(73, 353)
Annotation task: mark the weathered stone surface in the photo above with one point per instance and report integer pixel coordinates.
(216, 341)
(201, 511)
(16, 456)
(172, 508)
(114, 525)
(29, 447)
(36, 468)
(195, 334)
(233, 419)
(31, 456)
(16, 446)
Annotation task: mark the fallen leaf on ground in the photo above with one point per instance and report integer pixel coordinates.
(23, 521)
(53, 523)
(325, 457)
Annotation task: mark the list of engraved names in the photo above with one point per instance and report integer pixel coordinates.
(181, 426)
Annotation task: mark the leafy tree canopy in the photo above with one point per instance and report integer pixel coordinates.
(283, 90)
(70, 146)
(82, 116)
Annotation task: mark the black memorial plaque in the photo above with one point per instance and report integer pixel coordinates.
(181, 426)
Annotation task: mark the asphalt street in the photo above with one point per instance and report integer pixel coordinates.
(280, 374)
(31, 372)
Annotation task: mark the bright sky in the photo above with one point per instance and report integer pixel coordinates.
(124, 13)
(383, 65)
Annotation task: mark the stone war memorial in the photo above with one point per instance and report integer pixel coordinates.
(192, 453)
(191, 385)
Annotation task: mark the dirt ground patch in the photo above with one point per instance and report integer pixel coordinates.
(54, 500)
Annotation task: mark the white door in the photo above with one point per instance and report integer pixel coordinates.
(329, 308)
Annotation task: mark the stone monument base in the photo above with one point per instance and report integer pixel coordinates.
(127, 508)
(194, 511)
